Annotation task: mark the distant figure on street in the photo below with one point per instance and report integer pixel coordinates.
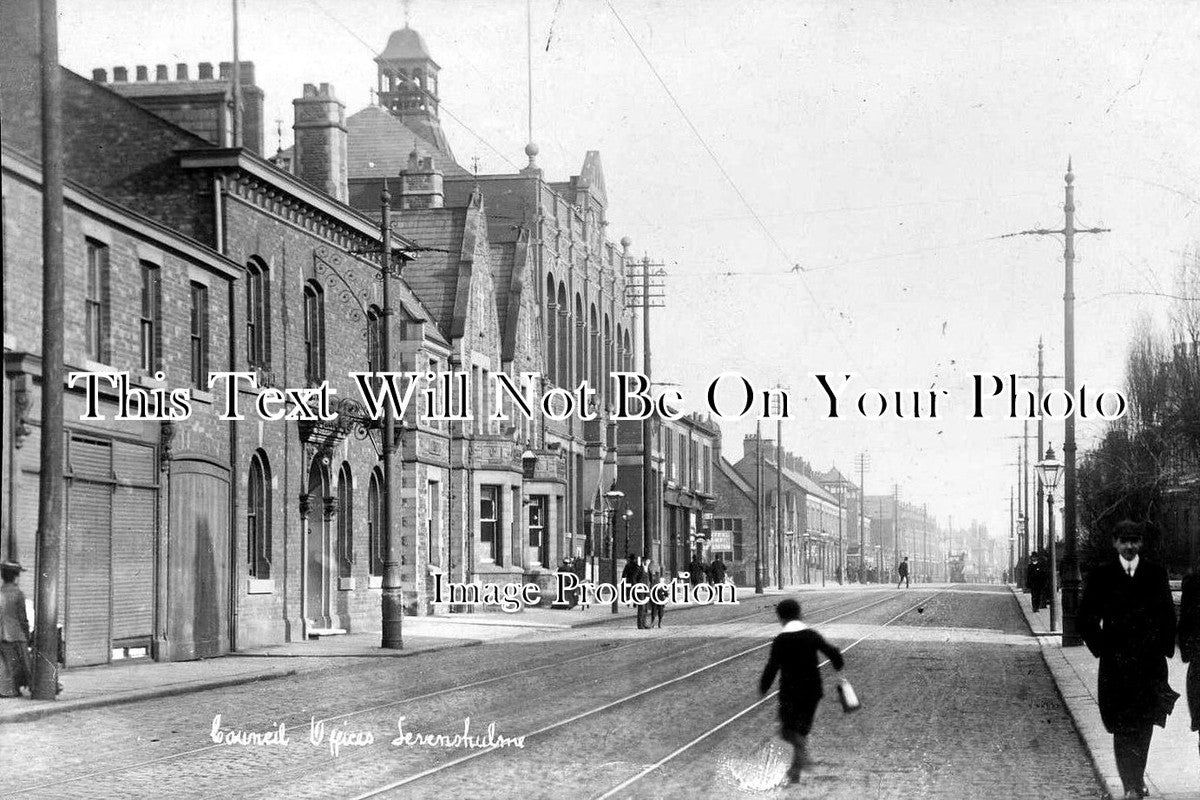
(1127, 620)
(902, 571)
(15, 670)
(656, 609)
(1189, 642)
(629, 575)
(794, 656)
(696, 571)
(571, 595)
(1037, 578)
(580, 567)
(643, 609)
(718, 570)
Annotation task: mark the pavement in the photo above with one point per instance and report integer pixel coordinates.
(1173, 770)
(143, 679)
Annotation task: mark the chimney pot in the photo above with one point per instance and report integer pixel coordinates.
(161, 73)
(100, 75)
(226, 70)
(142, 73)
(181, 72)
(120, 74)
(206, 70)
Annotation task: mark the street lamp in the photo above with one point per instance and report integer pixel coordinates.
(1049, 471)
(612, 496)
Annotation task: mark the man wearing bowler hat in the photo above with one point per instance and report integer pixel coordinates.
(1127, 620)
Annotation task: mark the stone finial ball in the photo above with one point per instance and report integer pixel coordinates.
(626, 241)
(531, 149)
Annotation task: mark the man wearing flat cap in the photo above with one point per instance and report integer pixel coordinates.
(1127, 620)
(14, 633)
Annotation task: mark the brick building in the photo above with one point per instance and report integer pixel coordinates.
(196, 536)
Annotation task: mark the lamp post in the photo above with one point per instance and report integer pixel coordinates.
(1049, 471)
(612, 497)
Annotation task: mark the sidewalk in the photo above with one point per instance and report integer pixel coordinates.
(1173, 770)
(105, 685)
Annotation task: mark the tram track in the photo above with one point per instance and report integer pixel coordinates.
(673, 632)
(675, 681)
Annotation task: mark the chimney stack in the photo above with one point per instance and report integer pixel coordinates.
(100, 75)
(181, 72)
(421, 183)
(120, 75)
(161, 73)
(205, 70)
(142, 73)
(320, 151)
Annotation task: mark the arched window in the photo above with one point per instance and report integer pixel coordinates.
(594, 341)
(258, 314)
(314, 333)
(345, 522)
(258, 517)
(607, 368)
(563, 373)
(581, 368)
(375, 542)
(551, 332)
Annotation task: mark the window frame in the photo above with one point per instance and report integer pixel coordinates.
(199, 335)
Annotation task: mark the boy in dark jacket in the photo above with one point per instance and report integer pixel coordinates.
(794, 655)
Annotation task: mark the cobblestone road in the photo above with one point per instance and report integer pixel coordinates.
(957, 704)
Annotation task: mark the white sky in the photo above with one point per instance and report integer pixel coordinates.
(881, 144)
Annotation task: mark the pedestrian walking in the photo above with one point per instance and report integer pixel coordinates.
(15, 669)
(1189, 642)
(696, 571)
(1037, 575)
(902, 570)
(580, 567)
(718, 570)
(657, 609)
(794, 657)
(1127, 620)
(643, 609)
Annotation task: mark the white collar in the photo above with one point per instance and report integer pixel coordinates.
(791, 626)
(1130, 566)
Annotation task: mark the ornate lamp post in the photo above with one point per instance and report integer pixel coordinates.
(1049, 471)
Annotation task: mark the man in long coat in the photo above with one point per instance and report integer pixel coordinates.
(1189, 642)
(1127, 620)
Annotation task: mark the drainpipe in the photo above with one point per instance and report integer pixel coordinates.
(219, 194)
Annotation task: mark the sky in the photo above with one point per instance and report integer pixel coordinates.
(880, 147)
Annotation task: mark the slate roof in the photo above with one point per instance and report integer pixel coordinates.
(433, 276)
(728, 470)
(405, 44)
(503, 256)
(378, 144)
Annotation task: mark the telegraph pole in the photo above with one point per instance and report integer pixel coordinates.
(758, 504)
(50, 480)
(1041, 448)
(779, 504)
(862, 461)
(1071, 577)
(392, 595)
(643, 288)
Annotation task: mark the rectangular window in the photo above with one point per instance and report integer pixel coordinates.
(199, 335)
(539, 539)
(737, 539)
(434, 495)
(96, 303)
(258, 344)
(489, 524)
(151, 319)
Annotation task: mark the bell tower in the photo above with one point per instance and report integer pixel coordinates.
(408, 77)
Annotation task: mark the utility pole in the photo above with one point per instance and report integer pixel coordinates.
(862, 461)
(758, 504)
(925, 539)
(236, 92)
(1041, 376)
(1071, 577)
(1012, 533)
(50, 480)
(779, 504)
(392, 596)
(639, 283)
(895, 525)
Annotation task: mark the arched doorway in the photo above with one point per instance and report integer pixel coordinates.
(318, 548)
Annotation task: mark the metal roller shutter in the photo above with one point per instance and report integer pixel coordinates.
(89, 564)
(133, 563)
